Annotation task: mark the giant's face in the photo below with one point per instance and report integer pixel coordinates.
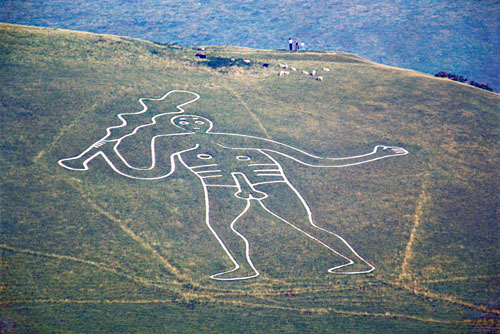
(192, 123)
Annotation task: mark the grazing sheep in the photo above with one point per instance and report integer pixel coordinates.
(326, 69)
(283, 73)
(246, 61)
(319, 78)
(313, 73)
(283, 65)
(305, 73)
(293, 69)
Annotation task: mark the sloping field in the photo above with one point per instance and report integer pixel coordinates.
(96, 248)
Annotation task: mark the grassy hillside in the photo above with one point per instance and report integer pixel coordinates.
(95, 252)
(461, 37)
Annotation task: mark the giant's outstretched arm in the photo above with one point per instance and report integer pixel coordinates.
(108, 151)
(235, 141)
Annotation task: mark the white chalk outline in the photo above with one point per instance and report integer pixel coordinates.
(273, 169)
(104, 139)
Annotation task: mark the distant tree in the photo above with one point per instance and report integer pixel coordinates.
(462, 79)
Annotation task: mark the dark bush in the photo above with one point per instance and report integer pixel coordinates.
(481, 85)
(221, 62)
(462, 79)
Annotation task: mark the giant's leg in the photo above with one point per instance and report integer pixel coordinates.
(285, 203)
(223, 210)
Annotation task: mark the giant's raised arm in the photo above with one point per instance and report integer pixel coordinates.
(132, 122)
(235, 141)
(109, 152)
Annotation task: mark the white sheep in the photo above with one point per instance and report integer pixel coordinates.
(283, 73)
(326, 69)
(319, 78)
(305, 73)
(293, 69)
(313, 73)
(283, 65)
(246, 61)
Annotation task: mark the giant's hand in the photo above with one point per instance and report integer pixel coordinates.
(389, 151)
(80, 161)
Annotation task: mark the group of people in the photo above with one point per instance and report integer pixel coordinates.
(298, 45)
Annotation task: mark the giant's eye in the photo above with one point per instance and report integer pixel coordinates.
(199, 122)
(183, 123)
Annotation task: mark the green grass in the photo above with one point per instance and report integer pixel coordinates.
(96, 252)
(459, 37)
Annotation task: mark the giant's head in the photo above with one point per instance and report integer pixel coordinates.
(192, 123)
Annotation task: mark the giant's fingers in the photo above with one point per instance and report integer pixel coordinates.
(399, 150)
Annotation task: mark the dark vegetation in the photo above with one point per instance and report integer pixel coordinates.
(94, 252)
(462, 79)
(224, 63)
(480, 85)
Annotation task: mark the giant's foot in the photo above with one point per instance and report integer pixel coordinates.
(236, 274)
(352, 268)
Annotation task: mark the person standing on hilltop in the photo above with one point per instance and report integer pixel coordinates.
(290, 43)
(302, 46)
(296, 46)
